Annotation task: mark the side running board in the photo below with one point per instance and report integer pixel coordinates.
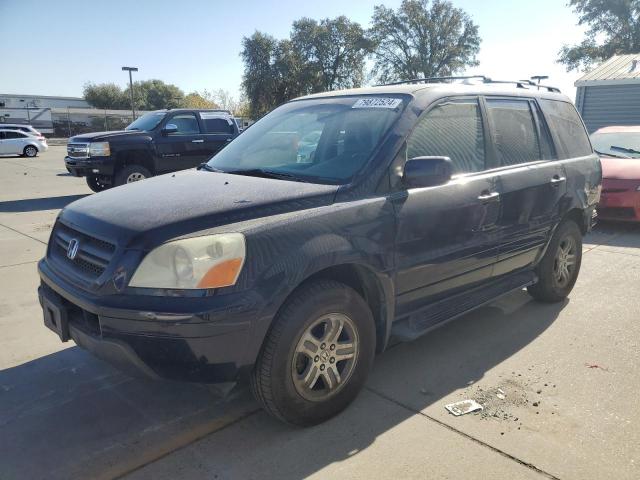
(434, 315)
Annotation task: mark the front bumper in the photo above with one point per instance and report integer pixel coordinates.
(82, 167)
(179, 342)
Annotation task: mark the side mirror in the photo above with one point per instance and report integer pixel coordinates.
(169, 128)
(427, 171)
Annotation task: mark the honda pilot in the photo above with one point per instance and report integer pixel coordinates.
(336, 222)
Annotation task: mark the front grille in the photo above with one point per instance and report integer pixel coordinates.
(78, 150)
(617, 212)
(93, 254)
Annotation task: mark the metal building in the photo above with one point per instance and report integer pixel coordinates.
(610, 94)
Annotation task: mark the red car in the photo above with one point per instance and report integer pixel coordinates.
(619, 149)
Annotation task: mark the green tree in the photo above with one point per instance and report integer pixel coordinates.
(420, 39)
(156, 95)
(199, 100)
(106, 95)
(332, 52)
(613, 29)
(271, 72)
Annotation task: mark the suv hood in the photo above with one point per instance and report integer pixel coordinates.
(145, 214)
(100, 136)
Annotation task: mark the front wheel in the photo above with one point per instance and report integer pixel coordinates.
(317, 354)
(131, 174)
(95, 184)
(558, 270)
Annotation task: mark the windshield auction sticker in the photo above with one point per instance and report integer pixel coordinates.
(377, 102)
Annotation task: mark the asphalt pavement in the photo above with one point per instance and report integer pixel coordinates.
(559, 384)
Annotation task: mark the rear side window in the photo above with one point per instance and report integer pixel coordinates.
(514, 131)
(569, 131)
(452, 129)
(217, 125)
(14, 135)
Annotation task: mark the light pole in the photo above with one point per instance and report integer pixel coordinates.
(131, 69)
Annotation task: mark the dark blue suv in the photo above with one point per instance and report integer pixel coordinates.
(335, 222)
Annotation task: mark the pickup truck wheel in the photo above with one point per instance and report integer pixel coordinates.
(30, 151)
(317, 354)
(558, 270)
(132, 173)
(94, 183)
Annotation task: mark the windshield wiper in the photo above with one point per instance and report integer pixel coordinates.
(209, 168)
(610, 154)
(625, 149)
(260, 172)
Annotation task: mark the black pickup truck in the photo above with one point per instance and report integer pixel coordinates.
(158, 142)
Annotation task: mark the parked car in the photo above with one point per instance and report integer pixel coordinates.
(13, 142)
(21, 128)
(619, 149)
(420, 203)
(158, 142)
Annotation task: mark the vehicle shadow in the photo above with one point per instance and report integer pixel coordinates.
(615, 234)
(70, 415)
(37, 204)
(408, 378)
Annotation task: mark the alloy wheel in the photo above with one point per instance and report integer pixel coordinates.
(325, 357)
(565, 262)
(135, 177)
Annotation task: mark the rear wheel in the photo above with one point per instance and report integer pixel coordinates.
(95, 184)
(558, 270)
(131, 174)
(317, 355)
(30, 151)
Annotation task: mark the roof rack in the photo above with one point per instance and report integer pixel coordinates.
(518, 83)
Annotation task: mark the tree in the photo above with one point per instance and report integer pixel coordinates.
(148, 95)
(271, 72)
(199, 100)
(422, 40)
(157, 95)
(333, 52)
(106, 95)
(614, 28)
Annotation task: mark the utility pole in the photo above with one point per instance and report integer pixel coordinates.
(131, 69)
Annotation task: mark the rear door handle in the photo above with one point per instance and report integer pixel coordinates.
(197, 141)
(557, 179)
(489, 196)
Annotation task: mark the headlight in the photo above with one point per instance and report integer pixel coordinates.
(212, 261)
(99, 149)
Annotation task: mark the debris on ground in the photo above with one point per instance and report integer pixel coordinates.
(463, 407)
(500, 394)
(595, 365)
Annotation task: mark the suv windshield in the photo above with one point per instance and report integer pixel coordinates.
(325, 140)
(621, 144)
(148, 121)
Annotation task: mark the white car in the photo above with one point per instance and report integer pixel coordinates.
(13, 142)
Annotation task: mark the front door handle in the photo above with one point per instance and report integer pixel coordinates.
(557, 179)
(197, 141)
(487, 196)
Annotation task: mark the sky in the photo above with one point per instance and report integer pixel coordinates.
(195, 44)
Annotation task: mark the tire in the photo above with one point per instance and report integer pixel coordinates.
(30, 151)
(95, 184)
(559, 268)
(131, 173)
(278, 379)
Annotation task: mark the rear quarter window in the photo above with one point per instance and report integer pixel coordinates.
(567, 128)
